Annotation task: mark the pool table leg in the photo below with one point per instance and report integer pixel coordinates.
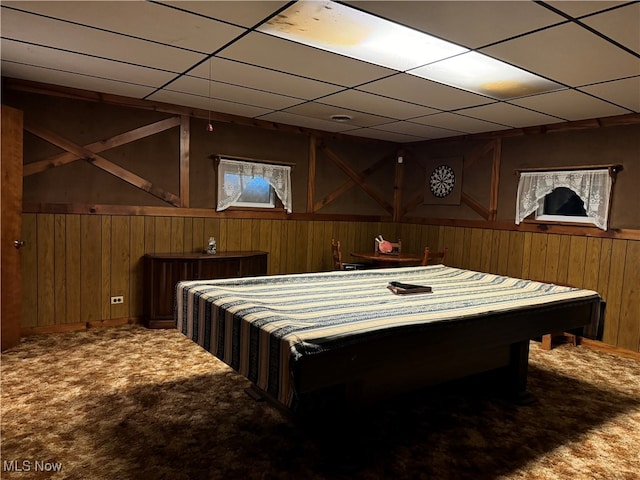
(517, 373)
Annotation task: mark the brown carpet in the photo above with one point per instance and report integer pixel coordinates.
(131, 403)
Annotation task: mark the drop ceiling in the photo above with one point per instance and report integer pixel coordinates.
(209, 55)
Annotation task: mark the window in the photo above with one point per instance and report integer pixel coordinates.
(568, 195)
(563, 205)
(248, 183)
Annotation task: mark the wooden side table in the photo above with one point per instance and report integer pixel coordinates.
(163, 271)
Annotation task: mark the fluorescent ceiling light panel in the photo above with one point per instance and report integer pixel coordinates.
(481, 74)
(346, 31)
(340, 29)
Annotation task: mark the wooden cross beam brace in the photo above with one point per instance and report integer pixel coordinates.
(357, 178)
(100, 146)
(101, 162)
(349, 184)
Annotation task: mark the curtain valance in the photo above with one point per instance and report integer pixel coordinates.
(278, 176)
(592, 186)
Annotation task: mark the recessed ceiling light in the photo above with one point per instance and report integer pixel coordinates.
(341, 118)
(337, 28)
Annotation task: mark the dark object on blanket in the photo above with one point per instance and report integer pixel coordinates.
(400, 288)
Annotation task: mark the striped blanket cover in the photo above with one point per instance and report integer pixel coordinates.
(260, 326)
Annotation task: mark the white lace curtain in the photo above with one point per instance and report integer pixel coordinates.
(278, 176)
(592, 186)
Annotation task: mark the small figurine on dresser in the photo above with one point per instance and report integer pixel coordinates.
(212, 248)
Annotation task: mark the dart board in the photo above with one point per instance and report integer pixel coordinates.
(442, 181)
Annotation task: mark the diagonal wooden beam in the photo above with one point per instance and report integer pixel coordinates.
(349, 184)
(357, 178)
(101, 146)
(475, 206)
(101, 163)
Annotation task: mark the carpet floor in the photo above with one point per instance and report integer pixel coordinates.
(132, 403)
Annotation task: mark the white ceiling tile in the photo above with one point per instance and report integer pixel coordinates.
(625, 92)
(168, 26)
(76, 38)
(74, 80)
(418, 130)
(324, 112)
(509, 115)
(570, 105)
(285, 56)
(468, 23)
(578, 8)
(377, 105)
(418, 90)
(621, 25)
(245, 75)
(386, 136)
(215, 105)
(307, 122)
(585, 59)
(232, 93)
(81, 64)
(460, 123)
(244, 13)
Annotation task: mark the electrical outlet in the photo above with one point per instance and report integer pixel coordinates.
(117, 300)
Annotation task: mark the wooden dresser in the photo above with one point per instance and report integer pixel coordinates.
(163, 271)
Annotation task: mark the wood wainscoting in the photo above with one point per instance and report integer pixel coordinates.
(73, 264)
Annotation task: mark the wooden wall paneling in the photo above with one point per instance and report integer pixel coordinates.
(435, 238)
(315, 246)
(264, 239)
(246, 233)
(614, 295)
(59, 269)
(538, 257)
(120, 269)
(150, 235)
(287, 247)
(91, 267)
(177, 234)
(526, 254)
(629, 326)
(502, 253)
(234, 234)
(495, 251)
(515, 254)
(466, 247)
(552, 258)
(29, 271)
(300, 246)
(162, 235)
(105, 268)
(73, 246)
(449, 239)
(577, 255)
(197, 234)
(563, 262)
(187, 241)
(592, 263)
(475, 249)
(46, 269)
(605, 267)
(254, 236)
(136, 268)
(274, 260)
(485, 255)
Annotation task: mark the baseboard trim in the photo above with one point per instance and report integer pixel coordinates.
(75, 327)
(605, 347)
